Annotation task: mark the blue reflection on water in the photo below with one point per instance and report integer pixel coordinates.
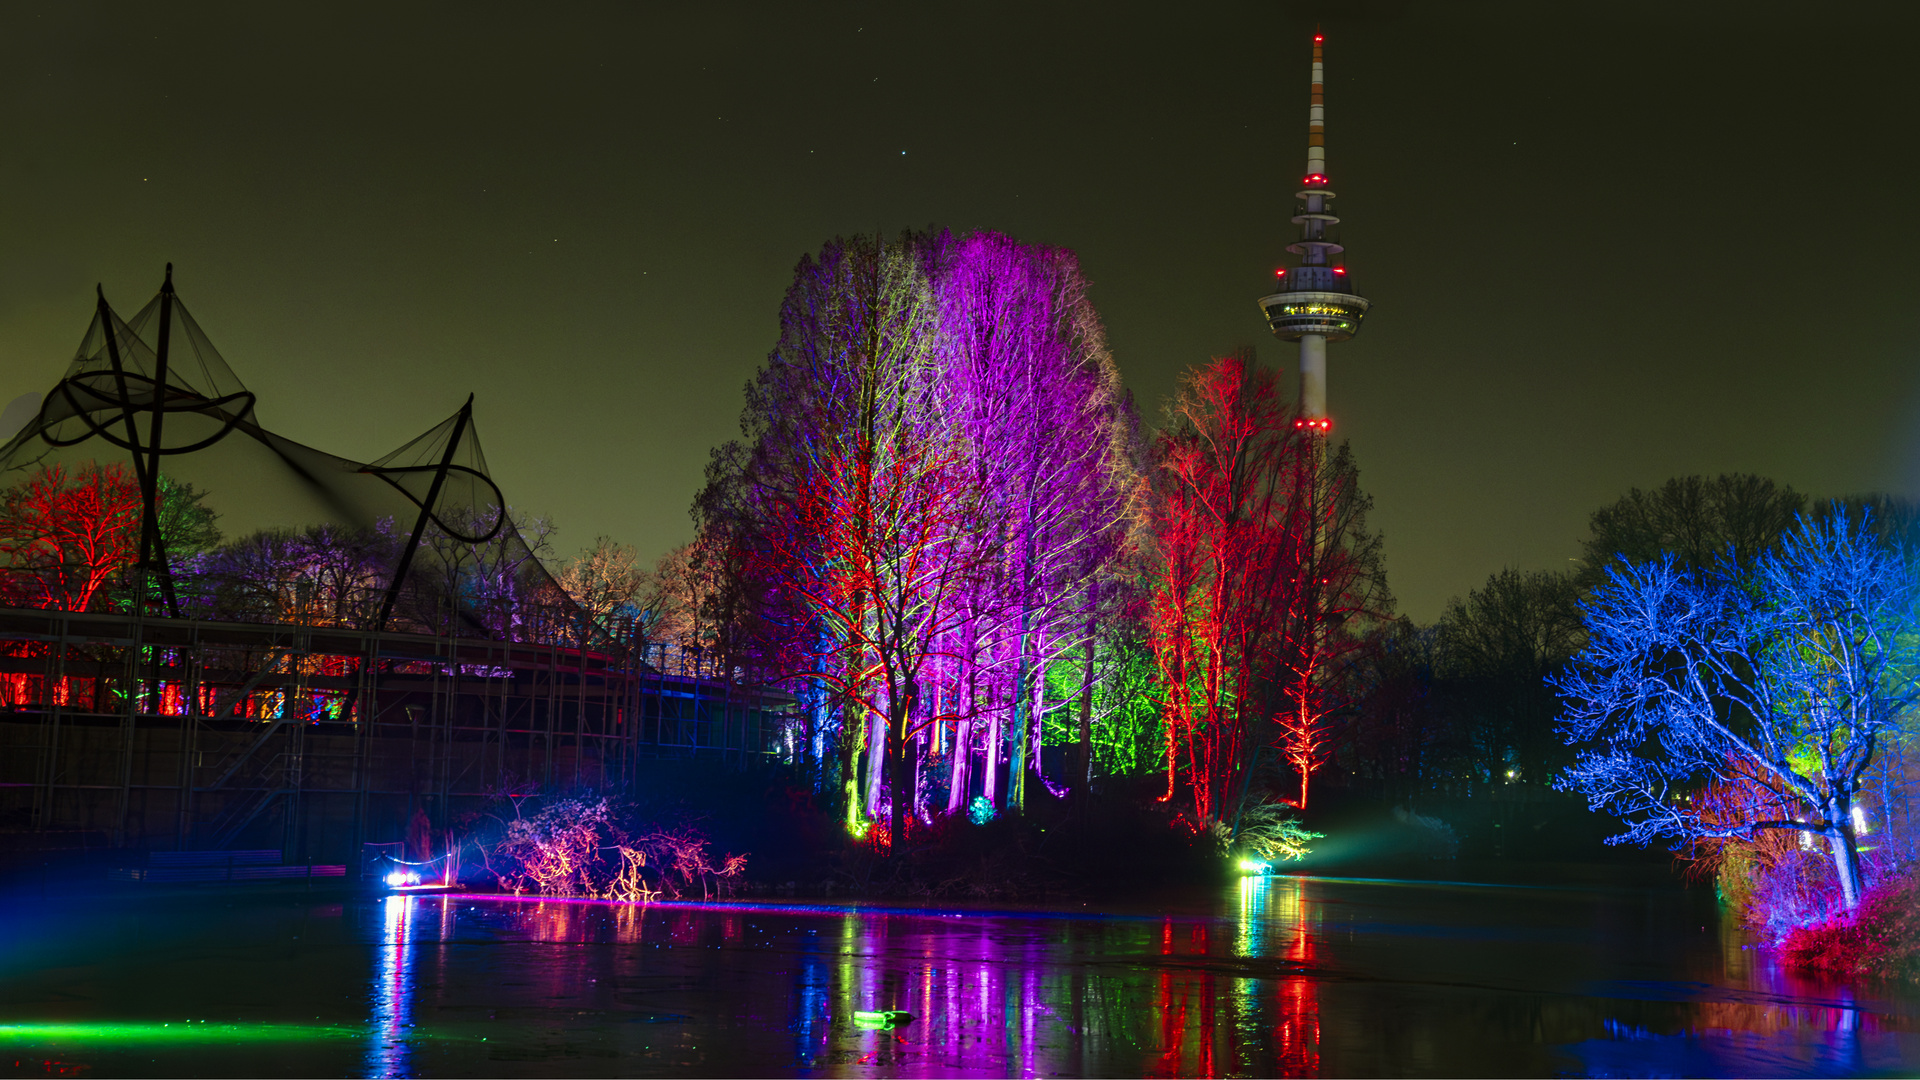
(388, 1053)
(1721, 1052)
(813, 1008)
(1780, 1025)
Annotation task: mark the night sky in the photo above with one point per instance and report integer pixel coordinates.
(1607, 244)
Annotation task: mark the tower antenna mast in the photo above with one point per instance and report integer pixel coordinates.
(1315, 302)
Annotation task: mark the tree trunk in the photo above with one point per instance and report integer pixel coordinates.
(877, 758)
(1038, 710)
(1022, 718)
(959, 782)
(990, 783)
(917, 751)
(853, 729)
(899, 754)
(1846, 856)
(1083, 764)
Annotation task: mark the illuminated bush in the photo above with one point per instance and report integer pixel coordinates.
(576, 847)
(557, 852)
(1881, 939)
(1269, 834)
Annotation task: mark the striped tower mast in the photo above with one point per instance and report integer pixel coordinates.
(1315, 302)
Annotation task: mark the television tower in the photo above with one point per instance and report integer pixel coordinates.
(1315, 302)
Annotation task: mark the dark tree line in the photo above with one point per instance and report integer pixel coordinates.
(1467, 705)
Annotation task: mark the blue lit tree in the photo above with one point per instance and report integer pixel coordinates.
(1784, 682)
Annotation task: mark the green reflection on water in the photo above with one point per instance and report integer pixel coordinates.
(182, 1032)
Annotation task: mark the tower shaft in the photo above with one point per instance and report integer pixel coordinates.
(1313, 376)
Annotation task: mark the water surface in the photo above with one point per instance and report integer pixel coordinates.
(1274, 976)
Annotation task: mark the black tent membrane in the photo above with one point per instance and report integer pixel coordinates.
(420, 540)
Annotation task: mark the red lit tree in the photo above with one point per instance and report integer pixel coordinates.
(66, 534)
(1225, 459)
(1327, 601)
(1265, 573)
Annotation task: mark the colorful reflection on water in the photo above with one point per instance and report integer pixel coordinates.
(1291, 977)
(1274, 976)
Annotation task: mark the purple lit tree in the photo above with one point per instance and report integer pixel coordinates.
(1028, 383)
(320, 576)
(933, 477)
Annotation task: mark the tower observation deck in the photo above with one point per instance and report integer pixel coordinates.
(1315, 302)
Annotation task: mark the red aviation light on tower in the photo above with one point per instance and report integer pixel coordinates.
(1320, 425)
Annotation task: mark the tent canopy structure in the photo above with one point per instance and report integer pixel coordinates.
(439, 548)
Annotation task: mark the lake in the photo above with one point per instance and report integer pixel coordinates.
(1273, 976)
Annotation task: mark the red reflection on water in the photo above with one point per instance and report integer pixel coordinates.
(1296, 1031)
(1187, 1007)
(1173, 1025)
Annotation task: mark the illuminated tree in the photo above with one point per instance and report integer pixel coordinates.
(932, 480)
(320, 576)
(187, 524)
(1329, 601)
(66, 535)
(498, 587)
(677, 595)
(606, 583)
(1026, 381)
(1121, 723)
(1226, 461)
(576, 847)
(845, 506)
(1786, 683)
(1267, 579)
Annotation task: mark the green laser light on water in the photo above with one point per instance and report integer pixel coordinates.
(183, 1031)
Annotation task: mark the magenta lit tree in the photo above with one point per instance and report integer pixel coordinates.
(933, 476)
(1027, 380)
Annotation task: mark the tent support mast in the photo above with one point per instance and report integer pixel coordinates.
(426, 512)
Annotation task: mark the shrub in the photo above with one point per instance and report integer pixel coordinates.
(1269, 834)
(1881, 939)
(577, 847)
